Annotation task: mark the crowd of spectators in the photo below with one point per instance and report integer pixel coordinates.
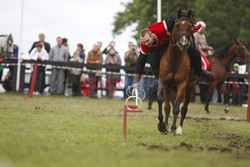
(60, 79)
(69, 82)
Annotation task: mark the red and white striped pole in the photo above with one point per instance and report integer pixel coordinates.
(248, 108)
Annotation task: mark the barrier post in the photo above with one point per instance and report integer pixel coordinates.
(33, 81)
(248, 99)
(129, 108)
(125, 124)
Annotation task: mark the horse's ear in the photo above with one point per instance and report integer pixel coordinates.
(237, 41)
(179, 13)
(189, 13)
(10, 35)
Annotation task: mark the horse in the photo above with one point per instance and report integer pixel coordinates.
(220, 66)
(6, 46)
(177, 78)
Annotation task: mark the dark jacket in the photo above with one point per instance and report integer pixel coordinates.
(46, 45)
(82, 55)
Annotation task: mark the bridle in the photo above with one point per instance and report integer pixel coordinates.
(176, 43)
(175, 65)
(240, 52)
(7, 45)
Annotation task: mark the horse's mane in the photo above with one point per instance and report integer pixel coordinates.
(222, 52)
(3, 35)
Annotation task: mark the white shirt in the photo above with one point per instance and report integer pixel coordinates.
(34, 54)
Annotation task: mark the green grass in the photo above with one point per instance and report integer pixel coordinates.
(66, 131)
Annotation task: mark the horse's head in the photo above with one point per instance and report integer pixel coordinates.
(182, 30)
(240, 50)
(6, 46)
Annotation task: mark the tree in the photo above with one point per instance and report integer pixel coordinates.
(225, 19)
(222, 25)
(138, 12)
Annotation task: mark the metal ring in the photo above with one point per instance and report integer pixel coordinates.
(139, 107)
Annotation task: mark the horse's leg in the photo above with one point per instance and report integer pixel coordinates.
(176, 109)
(211, 87)
(161, 124)
(167, 107)
(184, 109)
(226, 99)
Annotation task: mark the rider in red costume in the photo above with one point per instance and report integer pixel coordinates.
(154, 41)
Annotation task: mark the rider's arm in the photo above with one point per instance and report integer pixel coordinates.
(140, 65)
(170, 23)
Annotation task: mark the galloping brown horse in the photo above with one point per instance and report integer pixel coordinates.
(176, 76)
(220, 65)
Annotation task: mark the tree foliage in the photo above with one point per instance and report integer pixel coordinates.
(225, 19)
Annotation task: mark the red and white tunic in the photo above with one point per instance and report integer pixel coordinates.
(201, 44)
(161, 33)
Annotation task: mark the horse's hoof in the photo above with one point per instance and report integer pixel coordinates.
(173, 133)
(179, 131)
(226, 110)
(162, 127)
(207, 111)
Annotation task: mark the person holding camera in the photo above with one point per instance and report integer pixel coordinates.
(130, 59)
(110, 46)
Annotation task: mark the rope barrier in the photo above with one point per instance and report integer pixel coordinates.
(87, 71)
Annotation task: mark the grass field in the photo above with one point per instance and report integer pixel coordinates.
(66, 131)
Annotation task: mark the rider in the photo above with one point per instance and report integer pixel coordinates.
(201, 43)
(154, 41)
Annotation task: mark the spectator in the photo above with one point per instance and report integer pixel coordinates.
(76, 75)
(15, 51)
(58, 53)
(94, 57)
(113, 59)
(39, 54)
(130, 58)
(67, 75)
(81, 49)
(236, 89)
(110, 46)
(65, 43)
(7, 82)
(46, 45)
(99, 43)
(150, 89)
(105, 51)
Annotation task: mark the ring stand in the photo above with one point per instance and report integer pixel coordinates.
(133, 93)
